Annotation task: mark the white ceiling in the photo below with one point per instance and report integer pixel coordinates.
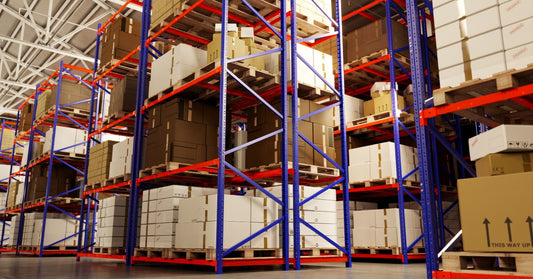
(36, 35)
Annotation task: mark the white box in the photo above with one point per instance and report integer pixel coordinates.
(515, 11)
(359, 155)
(316, 217)
(519, 57)
(518, 34)
(161, 70)
(450, 33)
(193, 235)
(172, 191)
(115, 211)
(485, 44)
(364, 218)
(263, 210)
(150, 241)
(236, 209)
(323, 63)
(164, 229)
(268, 239)
(359, 173)
(391, 237)
(353, 109)
(508, 138)
(313, 241)
(169, 216)
(487, 66)
(112, 242)
(483, 21)
(111, 232)
(390, 217)
(167, 204)
(472, 7)
(166, 241)
(115, 201)
(364, 237)
(452, 76)
(447, 13)
(150, 230)
(113, 222)
(451, 55)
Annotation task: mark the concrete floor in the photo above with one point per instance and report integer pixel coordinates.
(12, 267)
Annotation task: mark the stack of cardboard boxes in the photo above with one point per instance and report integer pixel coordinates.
(37, 149)
(58, 227)
(381, 228)
(318, 129)
(119, 39)
(26, 114)
(378, 161)
(160, 213)
(170, 68)
(320, 212)
(100, 161)
(374, 37)
(13, 231)
(123, 97)
(240, 42)
(12, 193)
(121, 158)
(70, 93)
(353, 206)
(62, 180)
(8, 138)
(112, 222)
(382, 100)
(242, 214)
(182, 131)
(476, 39)
(66, 139)
(353, 109)
(162, 9)
(3, 200)
(496, 206)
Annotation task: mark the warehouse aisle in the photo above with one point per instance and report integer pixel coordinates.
(30, 267)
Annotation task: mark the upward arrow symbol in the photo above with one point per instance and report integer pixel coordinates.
(508, 222)
(530, 220)
(486, 222)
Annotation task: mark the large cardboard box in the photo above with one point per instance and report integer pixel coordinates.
(504, 138)
(120, 38)
(496, 212)
(63, 179)
(123, 97)
(373, 37)
(383, 103)
(504, 163)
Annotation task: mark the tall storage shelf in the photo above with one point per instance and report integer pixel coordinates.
(397, 122)
(41, 193)
(502, 98)
(233, 86)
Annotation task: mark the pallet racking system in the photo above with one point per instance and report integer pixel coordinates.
(59, 115)
(220, 73)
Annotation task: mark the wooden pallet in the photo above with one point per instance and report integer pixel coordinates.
(170, 166)
(405, 117)
(499, 112)
(109, 250)
(56, 201)
(489, 263)
(305, 170)
(383, 181)
(125, 68)
(359, 78)
(386, 250)
(108, 182)
(52, 248)
(75, 113)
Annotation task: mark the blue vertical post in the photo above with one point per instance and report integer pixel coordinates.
(396, 132)
(295, 137)
(88, 150)
(344, 146)
(222, 137)
(138, 135)
(422, 135)
(285, 139)
(51, 160)
(27, 172)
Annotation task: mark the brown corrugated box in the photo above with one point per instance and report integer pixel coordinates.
(496, 212)
(25, 117)
(504, 163)
(123, 96)
(100, 161)
(70, 93)
(63, 179)
(12, 193)
(120, 38)
(373, 37)
(351, 142)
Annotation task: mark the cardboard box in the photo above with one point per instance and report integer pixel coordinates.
(504, 138)
(496, 212)
(266, 240)
(515, 11)
(364, 237)
(123, 97)
(519, 57)
(448, 13)
(384, 103)
(518, 34)
(391, 237)
(504, 163)
(203, 235)
(372, 38)
(485, 67)
(204, 209)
